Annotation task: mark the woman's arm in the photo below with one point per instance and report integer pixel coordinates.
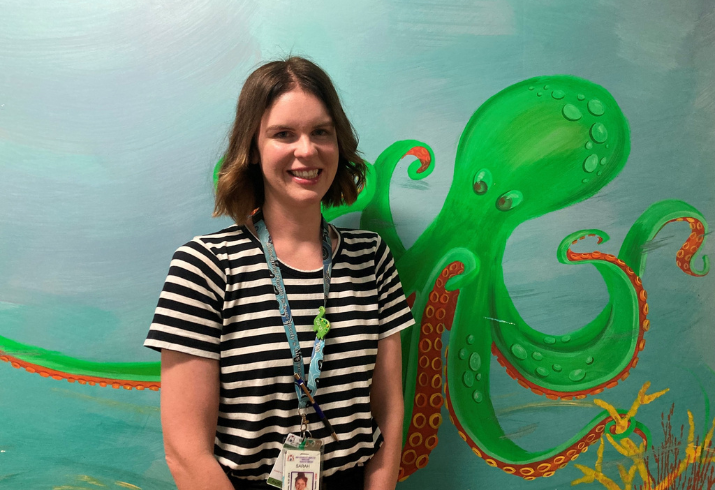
(387, 409)
(189, 413)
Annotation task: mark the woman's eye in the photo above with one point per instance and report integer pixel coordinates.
(281, 134)
(321, 132)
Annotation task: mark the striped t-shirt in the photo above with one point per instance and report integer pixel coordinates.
(218, 302)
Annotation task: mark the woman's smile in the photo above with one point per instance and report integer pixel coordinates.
(305, 175)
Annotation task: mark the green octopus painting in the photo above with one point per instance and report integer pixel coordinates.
(535, 147)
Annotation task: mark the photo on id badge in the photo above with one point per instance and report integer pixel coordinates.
(301, 480)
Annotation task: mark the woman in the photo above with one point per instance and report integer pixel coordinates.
(228, 395)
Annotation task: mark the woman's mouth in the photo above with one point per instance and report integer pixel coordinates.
(305, 174)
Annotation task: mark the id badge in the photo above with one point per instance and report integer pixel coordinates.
(302, 466)
(275, 479)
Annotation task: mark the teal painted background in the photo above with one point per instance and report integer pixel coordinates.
(112, 116)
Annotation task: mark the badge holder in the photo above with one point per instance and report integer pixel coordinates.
(300, 463)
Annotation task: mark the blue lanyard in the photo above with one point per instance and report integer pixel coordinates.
(320, 324)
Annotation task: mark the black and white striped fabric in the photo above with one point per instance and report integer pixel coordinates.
(218, 303)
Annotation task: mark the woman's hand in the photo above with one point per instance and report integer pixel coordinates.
(388, 410)
(189, 413)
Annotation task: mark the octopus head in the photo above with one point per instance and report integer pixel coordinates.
(540, 145)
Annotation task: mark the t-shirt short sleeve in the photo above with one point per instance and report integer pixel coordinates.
(188, 317)
(394, 312)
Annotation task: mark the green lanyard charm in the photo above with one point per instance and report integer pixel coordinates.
(320, 324)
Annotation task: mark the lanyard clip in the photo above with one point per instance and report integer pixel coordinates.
(303, 423)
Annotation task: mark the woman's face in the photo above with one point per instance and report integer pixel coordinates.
(299, 152)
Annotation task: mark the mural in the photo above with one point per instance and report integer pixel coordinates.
(537, 146)
(522, 371)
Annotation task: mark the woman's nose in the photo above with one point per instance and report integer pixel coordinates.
(304, 146)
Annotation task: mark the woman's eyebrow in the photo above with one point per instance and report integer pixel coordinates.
(281, 127)
(277, 127)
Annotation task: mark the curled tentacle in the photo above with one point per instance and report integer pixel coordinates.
(470, 268)
(138, 375)
(564, 249)
(617, 334)
(594, 357)
(377, 215)
(634, 249)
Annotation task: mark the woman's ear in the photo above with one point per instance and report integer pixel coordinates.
(254, 158)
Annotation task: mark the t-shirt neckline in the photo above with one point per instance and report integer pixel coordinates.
(292, 270)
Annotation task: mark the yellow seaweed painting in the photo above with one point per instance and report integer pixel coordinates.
(678, 463)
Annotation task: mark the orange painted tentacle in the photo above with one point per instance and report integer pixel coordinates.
(691, 245)
(437, 317)
(81, 379)
(422, 155)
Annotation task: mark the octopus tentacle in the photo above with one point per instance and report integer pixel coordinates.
(425, 418)
(634, 249)
(643, 323)
(590, 359)
(539, 465)
(546, 466)
(685, 255)
(468, 265)
(377, 215)
(54, 365)
(470, 408)
(594, 340)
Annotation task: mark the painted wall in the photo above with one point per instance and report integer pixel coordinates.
(113, 115)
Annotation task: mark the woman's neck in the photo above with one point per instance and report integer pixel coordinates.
(296, 235)
(293, 226)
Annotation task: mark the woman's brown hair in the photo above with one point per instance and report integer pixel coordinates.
(240, 183)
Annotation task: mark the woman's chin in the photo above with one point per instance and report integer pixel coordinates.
(303, 201)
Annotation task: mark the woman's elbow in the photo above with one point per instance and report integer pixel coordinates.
(176, 463)
(183, 463)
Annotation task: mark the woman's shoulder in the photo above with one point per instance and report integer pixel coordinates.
(232, 232)
(363, 240)
(356, 234)
(232, 238)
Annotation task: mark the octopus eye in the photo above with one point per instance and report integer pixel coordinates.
(482, 182)
(509, 200)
